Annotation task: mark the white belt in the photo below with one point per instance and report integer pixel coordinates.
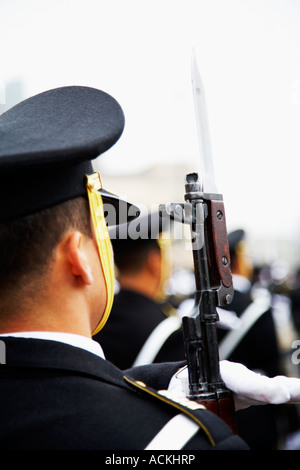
(175, 434)
(250, 315)
(156, 339)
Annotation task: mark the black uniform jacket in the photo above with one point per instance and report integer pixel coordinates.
(132, 319)
(57, 396)
(259, 349)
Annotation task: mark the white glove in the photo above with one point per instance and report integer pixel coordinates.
(251, 388)
(248, 387)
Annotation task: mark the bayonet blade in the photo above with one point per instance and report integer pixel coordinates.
(207, 177)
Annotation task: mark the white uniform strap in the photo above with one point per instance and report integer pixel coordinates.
(156, 339)
(175, 434)
(250, 315)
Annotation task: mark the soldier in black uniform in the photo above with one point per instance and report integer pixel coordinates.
(260, 329)
(56, 291)
(254, 343)
(138, 331)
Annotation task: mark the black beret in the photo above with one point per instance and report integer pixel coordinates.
(47, 144)
(143, 231)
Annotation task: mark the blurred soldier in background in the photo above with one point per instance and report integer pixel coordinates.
(255, 325)
(254, 342)
(139, 332)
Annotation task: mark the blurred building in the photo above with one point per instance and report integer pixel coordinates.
(11, 93)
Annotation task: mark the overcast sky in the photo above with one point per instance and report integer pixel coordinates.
(248, 54)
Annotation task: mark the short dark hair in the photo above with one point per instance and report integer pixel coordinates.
(27, 244)
(131, 261)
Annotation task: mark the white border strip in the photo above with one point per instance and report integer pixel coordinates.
(156, 339)
(175, 434)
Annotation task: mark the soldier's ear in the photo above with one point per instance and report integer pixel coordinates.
(154, 262)
(77, 258)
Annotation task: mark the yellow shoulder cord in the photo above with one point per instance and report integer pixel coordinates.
(164, 244)
(103, 242)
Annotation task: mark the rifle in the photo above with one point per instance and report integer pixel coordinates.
(204, 211)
